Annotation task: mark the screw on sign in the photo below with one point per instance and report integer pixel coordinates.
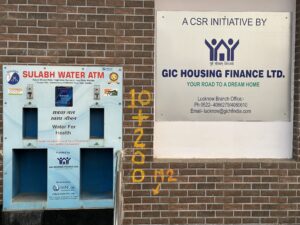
(138, 158)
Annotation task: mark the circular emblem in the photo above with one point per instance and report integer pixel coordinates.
(55, 187)
(12, 77)
(113, 77)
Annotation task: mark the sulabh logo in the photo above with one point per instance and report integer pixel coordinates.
(12, 77)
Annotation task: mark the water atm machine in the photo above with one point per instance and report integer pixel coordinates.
(62, 130)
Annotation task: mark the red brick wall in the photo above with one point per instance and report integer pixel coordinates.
(121, 33)
(210, 191)
(80, 32)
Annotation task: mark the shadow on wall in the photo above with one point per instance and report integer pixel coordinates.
(59, 217)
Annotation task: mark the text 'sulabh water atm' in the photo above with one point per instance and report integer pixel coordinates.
(62, 129)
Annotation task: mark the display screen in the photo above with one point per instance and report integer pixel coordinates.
(64, 96)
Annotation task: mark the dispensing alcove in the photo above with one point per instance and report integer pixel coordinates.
(96, 173)
(29, 175)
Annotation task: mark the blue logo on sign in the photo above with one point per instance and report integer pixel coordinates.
(13, 77)
(221, 51)
(64, 161)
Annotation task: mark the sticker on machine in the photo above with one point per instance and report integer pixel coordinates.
(12, 77)
(110, 92)
(113, 77)
(15, 91)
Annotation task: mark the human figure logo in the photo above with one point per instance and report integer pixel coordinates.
(64, 161)
(222, 51)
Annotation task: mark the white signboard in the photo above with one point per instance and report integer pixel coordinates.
(223, 66)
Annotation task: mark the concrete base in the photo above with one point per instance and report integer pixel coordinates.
(61, 217)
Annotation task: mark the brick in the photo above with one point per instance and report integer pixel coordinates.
(66, 23)
(76, 2)
(215, 206)
(57, 45)
(17, 45)
(286, 220)
(117, 18)
(37, 16)
(206, 213)
(108, 39)
(260, 186)
(27, 23)
(66, 60)
(8, 59)
(197, 207)
(56, 53)
(16, 52)
(105, 11)
(17, 1)
(134, 4)
(26, 59)
(242, 213)
(188, 186)
(269, 165)
(86, 39)
(95, 17)
(187, 200)
(48, 59)
(232, 220)
(28, 8)
(151, 214)
(269, 220)
(95, 2)
(124, 11)
(47, 38)
(132, 214)
(36, 52)
(95, 31)
(260, 213)
(134, 33)
(37, 45)
(76, 31)
(56, 2)
(287, 193)
(140, 11)
(85, 10)
(3, 30)
(37, 30)
(250, 220)
(115, 3)
(47, 8)
(46, 23)
(13, 15)
(76, 17)
(187, 172)
(66, 9)
(8, 22)
(8, 37)
(85, 24)
(260, 172)
(188, 214)
(36, 1)
(148, 4)
(178, 220)
(159, 221)
(196, 220)
(134, 18)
